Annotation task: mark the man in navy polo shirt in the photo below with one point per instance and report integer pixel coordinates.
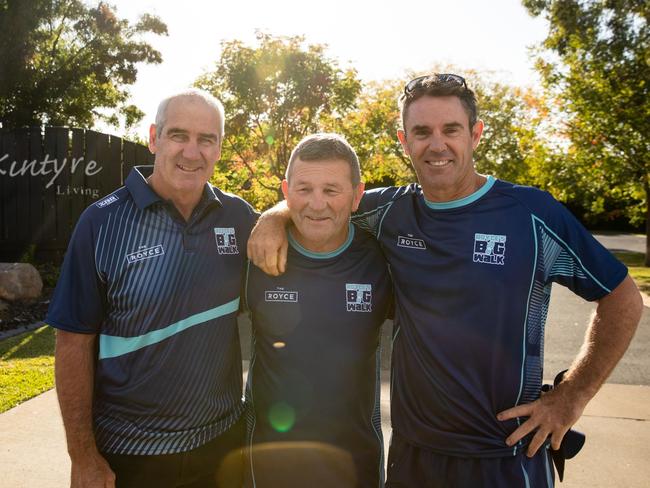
(313, 387)
(473, 259)
(148, 362)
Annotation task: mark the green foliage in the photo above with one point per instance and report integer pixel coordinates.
(26, 366)
(595, 62)
(635, 265)
(372, 131)
(274, 94)
(65, 63)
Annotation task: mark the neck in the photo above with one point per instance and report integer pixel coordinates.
(318, 246)
(185, 202)
(465, 189)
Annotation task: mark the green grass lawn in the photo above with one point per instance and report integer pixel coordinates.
(26, 366)
(634, 263)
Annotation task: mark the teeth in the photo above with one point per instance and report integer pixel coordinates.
(187, 169)
(440, 162)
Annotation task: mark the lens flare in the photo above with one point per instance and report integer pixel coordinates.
(282, 417)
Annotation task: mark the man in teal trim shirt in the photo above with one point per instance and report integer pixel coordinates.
(313, 386)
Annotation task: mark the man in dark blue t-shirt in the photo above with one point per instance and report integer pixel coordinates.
(313, 387)
(473, 259)
(148, 362)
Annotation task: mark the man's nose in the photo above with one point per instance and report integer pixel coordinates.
(191, 150)
(437, 143)
(318, 201)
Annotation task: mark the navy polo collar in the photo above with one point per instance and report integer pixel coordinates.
(144, 196)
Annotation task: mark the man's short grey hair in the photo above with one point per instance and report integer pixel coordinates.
(210, 100)
(326, 147)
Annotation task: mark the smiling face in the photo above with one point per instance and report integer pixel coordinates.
(321, 197)
(440, 143)
(186, 150)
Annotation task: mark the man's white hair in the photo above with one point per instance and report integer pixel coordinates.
(210, 100)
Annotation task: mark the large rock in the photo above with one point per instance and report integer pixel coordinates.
(19, 281)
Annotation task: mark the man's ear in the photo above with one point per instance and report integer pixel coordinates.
(152, 138)
(358, 193)
(401, 135)
(477, 131)
(285, 190)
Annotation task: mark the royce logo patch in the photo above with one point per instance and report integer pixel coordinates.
(226, 241)
(280, 296)
(150, 252)
(107, 201)
(410, 242)
(358, 297)
(489, 249)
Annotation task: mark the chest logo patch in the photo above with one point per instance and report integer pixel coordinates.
(145, 253)
(226, 241)
(410, 242)
(489, 249)
(280, 296)
(107, 201)
(358, 297)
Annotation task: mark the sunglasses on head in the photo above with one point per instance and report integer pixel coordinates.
(439, 77)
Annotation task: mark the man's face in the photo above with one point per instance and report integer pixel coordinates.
(320, 197)
(187, 149)
(440, 143)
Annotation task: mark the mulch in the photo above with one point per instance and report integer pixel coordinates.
(20, 314)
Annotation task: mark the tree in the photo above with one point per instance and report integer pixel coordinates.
(274, 94)
(595, 62)
(63, 62)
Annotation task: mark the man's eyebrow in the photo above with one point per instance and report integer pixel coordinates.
(420, 128)
(209, 135)
(454, 125)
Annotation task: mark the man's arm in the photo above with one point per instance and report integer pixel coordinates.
(75, 370)
(606, 340)
(267, 245)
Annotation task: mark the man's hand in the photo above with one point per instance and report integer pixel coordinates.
(553, 414)
(267, 245)
(92, 471)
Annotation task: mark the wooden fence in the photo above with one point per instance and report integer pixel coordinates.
(48, 176)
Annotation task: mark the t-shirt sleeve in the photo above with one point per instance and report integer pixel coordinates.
(572, 257)
(79, 300)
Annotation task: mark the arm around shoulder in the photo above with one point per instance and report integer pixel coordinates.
(267, 245)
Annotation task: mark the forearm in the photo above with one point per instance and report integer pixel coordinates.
(606, 340)
(267, 245)
(74, 372)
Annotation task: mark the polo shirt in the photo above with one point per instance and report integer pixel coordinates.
(162, 294)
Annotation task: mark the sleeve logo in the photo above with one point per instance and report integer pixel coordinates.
(489, 249)
(358, 297)
(226, 241)
(107, 201)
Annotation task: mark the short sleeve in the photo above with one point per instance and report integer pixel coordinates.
(79, 300)
(572, 257)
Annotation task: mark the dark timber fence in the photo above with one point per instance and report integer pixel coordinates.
(48, 176)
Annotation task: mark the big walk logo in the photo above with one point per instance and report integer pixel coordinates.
(226, 241)
(358, 297)
(489, 249)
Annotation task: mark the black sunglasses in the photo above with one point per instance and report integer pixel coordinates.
(439, 77)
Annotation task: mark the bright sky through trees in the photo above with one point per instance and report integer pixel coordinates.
(380, 39)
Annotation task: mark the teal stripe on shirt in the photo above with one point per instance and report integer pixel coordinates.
(113, 346)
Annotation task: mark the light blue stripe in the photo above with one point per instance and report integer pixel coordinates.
(573, 254)
(113, 346)
(525, 476)
(523, 342)
(322, 255)
(461, 202)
